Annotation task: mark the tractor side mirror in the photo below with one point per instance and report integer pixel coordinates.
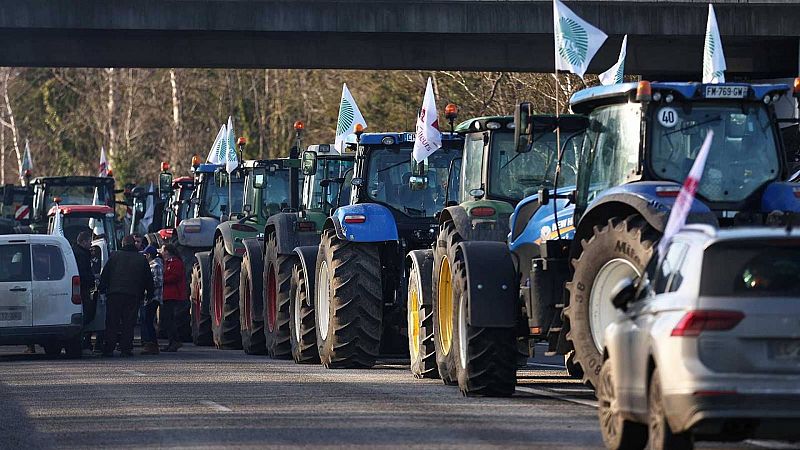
(309, 162)
(259, 175)
(523, 127)
(623, 293)
(165, 184)
(419, 175)
(221, 178)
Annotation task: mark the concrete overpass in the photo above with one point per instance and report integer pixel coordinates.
(665, 37)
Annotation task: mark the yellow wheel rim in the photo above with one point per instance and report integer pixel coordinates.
(445, 309)
(413, 319)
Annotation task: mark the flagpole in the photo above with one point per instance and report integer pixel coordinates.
(558, 154)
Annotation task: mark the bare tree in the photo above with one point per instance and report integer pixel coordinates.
(175, 155)
(110, 124)
(5, 75)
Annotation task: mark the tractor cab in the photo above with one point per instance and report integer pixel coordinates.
(176, 207)
(72, 190)
(325, 169)
(98, 219)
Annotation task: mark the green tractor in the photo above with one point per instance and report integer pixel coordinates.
(288, 315)
(236, 320)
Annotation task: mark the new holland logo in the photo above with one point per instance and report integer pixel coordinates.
(573, 41)
(345, 117)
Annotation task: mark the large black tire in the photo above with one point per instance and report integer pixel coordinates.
(277, 280)
(421, 345)
(350, 273)
(618, 433)
(660, 434)
(200, 297)
(52, 348)
(628, 240)
(573, 369)
(184, 317)
(441, 292)
(224, 305)
(251, 290)
(302, 329)
(486, 358)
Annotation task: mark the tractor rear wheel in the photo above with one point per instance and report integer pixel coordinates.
(442, 296)
(225, 299)
(200, 299)
(250, 304)
(302, 329)
(619, 249)
(421, 346)
(348, 303)
(486, 358)
(277, 278)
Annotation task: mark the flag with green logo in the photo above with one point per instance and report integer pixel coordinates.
(713, 58)
(616, 74)
(231, 158)
(217, 153)
(349, 117)
(577, 40)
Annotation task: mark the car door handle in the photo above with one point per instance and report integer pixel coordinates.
(18, 289)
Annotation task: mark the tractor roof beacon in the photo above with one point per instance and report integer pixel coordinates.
(393, 201)
(291, 241)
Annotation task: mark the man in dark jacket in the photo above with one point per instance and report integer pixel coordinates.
(125, 280)
(83, 257)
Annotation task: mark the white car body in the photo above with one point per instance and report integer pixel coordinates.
(39, 291)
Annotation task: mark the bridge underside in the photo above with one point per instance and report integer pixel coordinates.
(665, 39)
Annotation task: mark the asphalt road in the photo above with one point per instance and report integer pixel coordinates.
(201, 397)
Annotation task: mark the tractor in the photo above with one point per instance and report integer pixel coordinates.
(16, 203)
(175, 208)
(361, 279)
(236, 317)
(72, 190)
(641, 141)
(485, 184)
(291, 241)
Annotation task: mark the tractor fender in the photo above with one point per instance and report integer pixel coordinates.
(379, 225)
(640, 199)
(780, 196)
(423, 259)
(307, 255)
(458, 216)
(253, 248)
(492, 293)
(203, 259)
(200, 232)
(226, 233)
(284, 225)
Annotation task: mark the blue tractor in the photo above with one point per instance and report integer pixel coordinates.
(641, 141)
(359, 293)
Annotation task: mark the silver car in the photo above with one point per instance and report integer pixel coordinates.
(708, 344)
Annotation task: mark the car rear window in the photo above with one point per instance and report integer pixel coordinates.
(752, 269)
(48, 264)
(15, 263)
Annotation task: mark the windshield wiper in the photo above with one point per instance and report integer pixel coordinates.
(713, 119)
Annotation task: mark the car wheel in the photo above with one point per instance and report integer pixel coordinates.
(661, 435)
(618, 433)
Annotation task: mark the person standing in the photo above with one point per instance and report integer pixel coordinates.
(83, 258)
(151, 307)
(174, 295)
(126, 280)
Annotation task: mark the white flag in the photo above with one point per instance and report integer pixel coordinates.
(713, 58)
(27, 161)
(429, 138)
(680, 210)
(102, 168)
(615, 75)
(217, 153)
(149, 212)
(58, 226)
(349, 117)
(231, 159)
(576, 40)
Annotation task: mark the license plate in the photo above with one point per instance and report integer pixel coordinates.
(726, 91)
(10, 316)
(784, 350)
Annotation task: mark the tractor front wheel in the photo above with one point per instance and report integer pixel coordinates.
(225, 298)
(200, 299)
(252, 318)
(442, 297)
(421, 346)
(277, 278)
(302, 329)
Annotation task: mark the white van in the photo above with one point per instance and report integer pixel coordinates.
(40, 301)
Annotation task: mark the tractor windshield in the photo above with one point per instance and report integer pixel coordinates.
(515, 176)
(275, 195)
(101, 226)
(743, 154)
(215, 196)
(389, 174)
(76, 195)
(333, 172)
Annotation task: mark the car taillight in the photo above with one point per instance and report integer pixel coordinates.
(355, 218)
(482, 211)
(191, 228)
(695, 322)
(243, 227)
(76, 290)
